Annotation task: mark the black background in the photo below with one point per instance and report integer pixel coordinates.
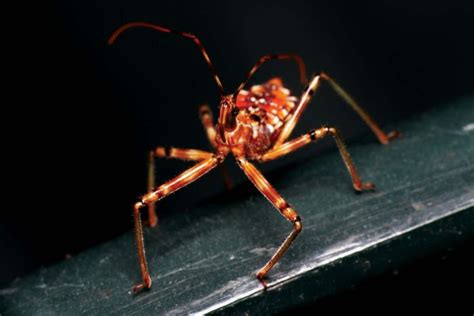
(83, 114)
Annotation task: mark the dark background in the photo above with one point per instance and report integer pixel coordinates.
(83, 115)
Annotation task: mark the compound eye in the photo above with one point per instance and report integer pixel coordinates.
(235, 112)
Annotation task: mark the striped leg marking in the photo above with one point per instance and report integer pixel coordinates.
(169, 187)
(170, 153)
(281, 205)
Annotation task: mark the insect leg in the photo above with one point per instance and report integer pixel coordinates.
(168, 152)
(205, 114)
(265, 58)
(280, 204)
(382, 137)
(314, 135)
(169, 187)
(306, 97)
(152, 218)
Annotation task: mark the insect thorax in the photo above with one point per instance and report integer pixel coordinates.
(263, 110)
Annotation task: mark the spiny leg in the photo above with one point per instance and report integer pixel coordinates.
(168, 152)
(205, 114)
(314, 135)
(265, 58)
(306, 97)
(280, 204)
(185, 178)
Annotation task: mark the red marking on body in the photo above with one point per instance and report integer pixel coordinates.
(271, 101)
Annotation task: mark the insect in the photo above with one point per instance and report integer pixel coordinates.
(253, 125)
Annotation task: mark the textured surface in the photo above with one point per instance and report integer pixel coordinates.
(205, 259)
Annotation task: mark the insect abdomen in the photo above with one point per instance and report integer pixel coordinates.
(271, 104)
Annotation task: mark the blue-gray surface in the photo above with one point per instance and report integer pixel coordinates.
(204, 259)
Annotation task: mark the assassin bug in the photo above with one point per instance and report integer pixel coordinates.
(253, 125)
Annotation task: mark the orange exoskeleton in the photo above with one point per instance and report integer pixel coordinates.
(253, 125)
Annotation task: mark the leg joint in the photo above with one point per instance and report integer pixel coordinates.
(297, 224)
(154, 196)
(163, 152)
(159, 152)
(288, 212)
(138, 206)
(318, 133)
(330, 130)
(324, 75)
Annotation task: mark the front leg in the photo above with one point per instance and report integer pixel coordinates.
(182, 180)
(280, 204)
(169, 153)
(314, 135)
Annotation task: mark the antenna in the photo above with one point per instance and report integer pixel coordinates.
(159, 28)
